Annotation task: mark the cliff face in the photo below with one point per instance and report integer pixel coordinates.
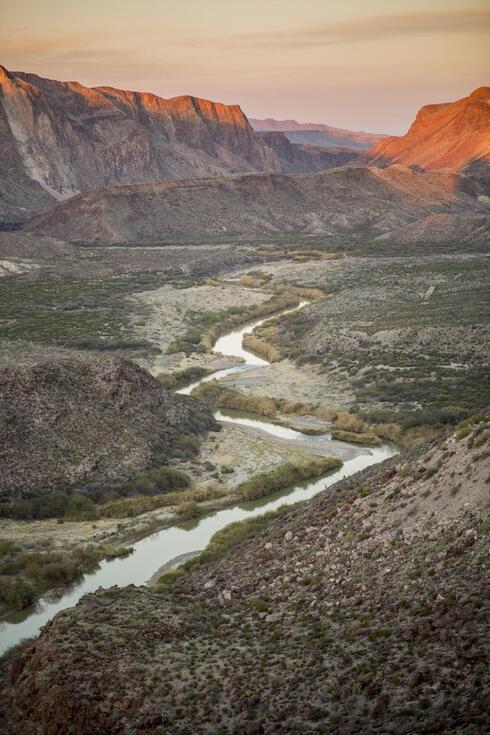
(66, 137)
(255, 204)
(449, 136)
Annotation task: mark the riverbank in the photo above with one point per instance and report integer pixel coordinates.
(160, 547)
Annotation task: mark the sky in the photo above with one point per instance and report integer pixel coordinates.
(359, 64)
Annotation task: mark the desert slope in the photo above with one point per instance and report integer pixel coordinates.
(448, 136)
(70, 415)
(250, 205)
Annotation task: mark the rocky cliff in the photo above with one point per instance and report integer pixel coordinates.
(448, 136)
(266, 204)
(58, 138)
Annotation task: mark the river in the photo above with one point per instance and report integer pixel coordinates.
(184, 538)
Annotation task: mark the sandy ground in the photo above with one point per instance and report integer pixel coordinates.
(171, 310)
(284, 379)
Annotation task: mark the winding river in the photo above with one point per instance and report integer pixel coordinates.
(165, 547)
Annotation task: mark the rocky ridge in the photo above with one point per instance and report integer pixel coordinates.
(374, 199)
(363, 610)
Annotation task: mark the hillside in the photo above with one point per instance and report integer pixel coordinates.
(69, 416)
(61, 138)
(317, 133)
(363, 610)
(267, 204)
(450, 136)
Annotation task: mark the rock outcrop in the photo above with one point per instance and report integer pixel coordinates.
(68, 416)
(267, 204)
(364, 610)
(59, 138)
(450, 136)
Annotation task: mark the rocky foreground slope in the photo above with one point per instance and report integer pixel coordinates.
(364, 610)
(322, 203)
(451, 136)
(68, 416)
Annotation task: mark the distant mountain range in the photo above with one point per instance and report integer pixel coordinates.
(113, 154)
(317, 134)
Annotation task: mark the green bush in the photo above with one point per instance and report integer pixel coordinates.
(18, 594)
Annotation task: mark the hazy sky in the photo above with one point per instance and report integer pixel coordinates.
(360, 64)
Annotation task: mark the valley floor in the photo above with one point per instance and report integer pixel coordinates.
(326, 592)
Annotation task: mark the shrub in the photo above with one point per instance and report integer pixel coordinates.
(367, 438)
(261, 348)
(189, 510)
(18, 594)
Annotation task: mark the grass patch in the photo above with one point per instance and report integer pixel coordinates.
(26, 575)
(286, 475)
(180, 378)
(221, 543)
(364, 439)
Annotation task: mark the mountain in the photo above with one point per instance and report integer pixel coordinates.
(363, 610)
(298, 158)
(449, 136)
(256, 204)
(317, 133)
(59, 138)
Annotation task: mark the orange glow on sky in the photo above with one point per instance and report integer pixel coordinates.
(359, 64)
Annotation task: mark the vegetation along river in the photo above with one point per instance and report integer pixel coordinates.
(165, 548)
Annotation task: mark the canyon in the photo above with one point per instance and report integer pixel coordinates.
(244, 418)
